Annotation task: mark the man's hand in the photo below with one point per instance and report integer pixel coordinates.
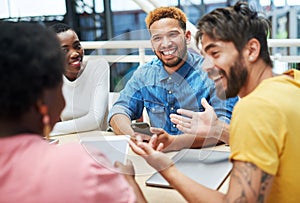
(152, 154)
(127, 169)
(129, 173)
(165, 138)
(197, 123)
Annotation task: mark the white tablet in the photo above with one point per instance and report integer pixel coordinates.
(115, 148)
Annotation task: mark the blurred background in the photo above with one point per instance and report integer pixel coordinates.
(108, 20)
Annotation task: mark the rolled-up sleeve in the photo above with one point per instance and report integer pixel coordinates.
(130, 102)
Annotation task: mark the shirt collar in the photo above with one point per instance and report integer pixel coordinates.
(180, 74)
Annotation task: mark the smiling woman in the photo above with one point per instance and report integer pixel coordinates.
(85, 87)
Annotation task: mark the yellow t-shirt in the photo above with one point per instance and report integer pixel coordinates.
(265, 130)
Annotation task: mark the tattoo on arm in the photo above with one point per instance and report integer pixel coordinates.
(252, 183)
(266, 179)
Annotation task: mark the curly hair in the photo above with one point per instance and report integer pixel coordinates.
(60, 27)
(236, 24)
(166, 12)
(31, 61)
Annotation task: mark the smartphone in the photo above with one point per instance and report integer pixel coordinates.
(141, 127)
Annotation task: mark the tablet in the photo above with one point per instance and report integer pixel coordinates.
(115, 148)
(207, 167)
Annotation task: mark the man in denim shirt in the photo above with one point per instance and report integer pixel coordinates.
(172, 80)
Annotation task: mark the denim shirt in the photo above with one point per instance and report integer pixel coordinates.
(162, 94)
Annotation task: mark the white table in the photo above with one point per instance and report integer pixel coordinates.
(143, 170)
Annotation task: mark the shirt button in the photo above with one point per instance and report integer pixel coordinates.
(170, 92)
(174, 125)
(172, 108)
(170, 78)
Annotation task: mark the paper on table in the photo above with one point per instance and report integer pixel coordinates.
(115, 148)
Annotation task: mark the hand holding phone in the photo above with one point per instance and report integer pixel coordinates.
(141, 127)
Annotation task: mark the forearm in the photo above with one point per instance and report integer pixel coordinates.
(64, 127)
(121, 125)
(220, 131)
(219, 135)
(193, 141)
(86, 123)
(248, 183)
(223, 133)
(189, 189)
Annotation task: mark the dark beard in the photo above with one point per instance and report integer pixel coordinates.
(237, 78)
(173, 64)
(181, 56)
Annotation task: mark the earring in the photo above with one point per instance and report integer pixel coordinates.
(251, 58)
(45, 120)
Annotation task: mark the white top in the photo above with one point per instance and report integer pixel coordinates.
(86, 100)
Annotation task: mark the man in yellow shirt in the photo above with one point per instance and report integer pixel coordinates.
(264, 130)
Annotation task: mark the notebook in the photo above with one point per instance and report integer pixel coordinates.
(115, 148)
(207, 167)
